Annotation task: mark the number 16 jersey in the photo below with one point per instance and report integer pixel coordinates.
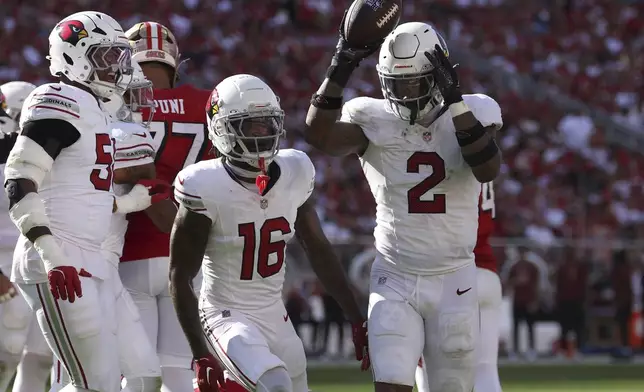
(243, 266)
(180, 138)
(426, 195)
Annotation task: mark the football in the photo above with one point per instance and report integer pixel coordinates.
(370, 21)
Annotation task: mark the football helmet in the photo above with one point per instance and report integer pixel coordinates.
(136, 104)
(90, 48)
(245, 120)
(405, 72)
(12, 96)
(152, 41)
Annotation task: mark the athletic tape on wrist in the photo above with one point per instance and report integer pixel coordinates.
(458, 108)
(137, 200)
(50, 252)
(28, 213)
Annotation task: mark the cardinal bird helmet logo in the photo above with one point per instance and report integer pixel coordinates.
(72, 31)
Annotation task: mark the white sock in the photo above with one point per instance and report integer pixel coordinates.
(176, 379)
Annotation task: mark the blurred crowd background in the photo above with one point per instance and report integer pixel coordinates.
(568, 75)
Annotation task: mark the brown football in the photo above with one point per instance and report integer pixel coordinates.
(370, 21)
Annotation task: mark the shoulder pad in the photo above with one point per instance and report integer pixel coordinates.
(304, 171)
(187, 189)
(54, 101)
(485, 109)
(359, 110)
(372, 116)
(132, 143)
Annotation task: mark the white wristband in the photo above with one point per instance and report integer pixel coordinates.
(50, 252)
(458, 108)
(137, 200)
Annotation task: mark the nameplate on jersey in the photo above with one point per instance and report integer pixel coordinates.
(47, 100)
(166, 106)
(131, 154)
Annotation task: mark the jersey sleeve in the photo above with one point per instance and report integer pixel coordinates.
(366, 112)
(187, 191)
(485, 109)
(307, 175)
(132, 145)
(51, 102)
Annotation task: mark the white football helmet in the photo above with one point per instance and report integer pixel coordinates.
(135, 102)
(152, 41)
(245, 120)
(14, 94)
(404, 71)
(90, 48)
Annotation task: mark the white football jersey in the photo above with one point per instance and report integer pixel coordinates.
(77, 191)
(8, 231)
(243, 267)
(133, 147)
(426, 195)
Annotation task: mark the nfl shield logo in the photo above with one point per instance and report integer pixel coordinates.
(263, 203)
(427, 136)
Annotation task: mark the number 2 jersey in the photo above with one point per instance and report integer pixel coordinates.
(426, 195)
(180, 138)
(243, 266)
(76, 191)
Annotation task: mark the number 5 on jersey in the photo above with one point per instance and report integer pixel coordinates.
(249, 233)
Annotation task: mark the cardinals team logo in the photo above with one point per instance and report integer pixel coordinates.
(72, 31)
(212, 107)
(3, 102)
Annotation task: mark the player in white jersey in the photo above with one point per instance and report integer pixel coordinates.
(59, 181)
(240, 234)
(133, 163)
(21, 342)
(424, 150)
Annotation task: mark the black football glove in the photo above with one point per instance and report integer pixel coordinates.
(347, 58)
(445, 75)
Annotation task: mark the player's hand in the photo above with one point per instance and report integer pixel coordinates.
(157, 189)
(65, 284)
(361, 343)
(7, 291)
(445, 75)
(210, 376)
(346, 54)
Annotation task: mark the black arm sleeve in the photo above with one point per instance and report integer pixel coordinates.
(51, 134)
(6, 144)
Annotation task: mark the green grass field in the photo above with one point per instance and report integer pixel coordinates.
(514, 378)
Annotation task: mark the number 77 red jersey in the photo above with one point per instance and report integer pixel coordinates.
(180, 137)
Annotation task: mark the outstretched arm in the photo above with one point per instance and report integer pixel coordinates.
(324, 261)
(188, 242)
(324, 132)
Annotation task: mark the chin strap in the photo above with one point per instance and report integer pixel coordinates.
(262, 179)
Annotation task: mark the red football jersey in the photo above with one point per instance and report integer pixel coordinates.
(180, 137)
(483, 254)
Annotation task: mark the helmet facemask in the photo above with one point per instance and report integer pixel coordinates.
(111, 66)
(411, 96)
(255, 136)
(139, 101)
